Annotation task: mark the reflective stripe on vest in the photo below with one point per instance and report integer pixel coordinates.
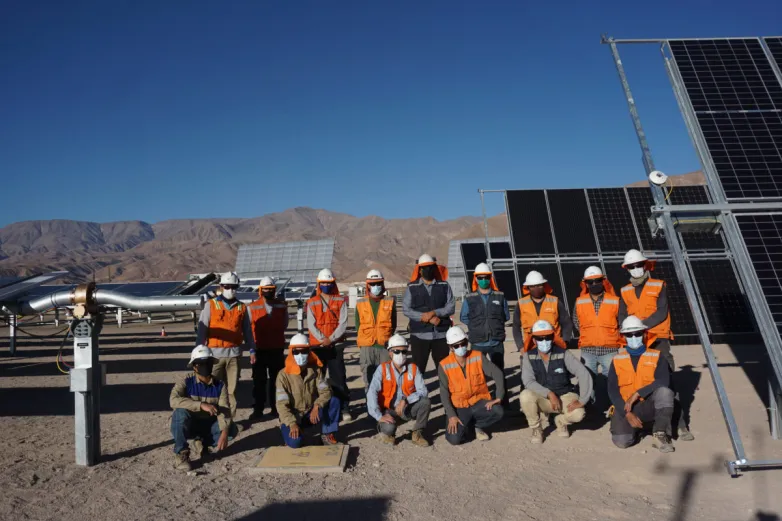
(469, 387)
(226, 326)
(645, 307)
(599, 329)
(631, 380)
(374, 330)
(387, 393)
(549, 311)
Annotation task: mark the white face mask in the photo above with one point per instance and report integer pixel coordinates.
(635, 342)
(544, 346)
(230, 294)
(301, 360)
(400, 359)
(462, 351)
(376, 290)
(637, 272)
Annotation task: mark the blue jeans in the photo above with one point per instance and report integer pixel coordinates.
(328, 419)
(185, 425)
(600, 389)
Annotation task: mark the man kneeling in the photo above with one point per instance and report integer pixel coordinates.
(463, 390)
(546, 371)
(201, 410)
(397, 393)
(304, 396)
(638, 385)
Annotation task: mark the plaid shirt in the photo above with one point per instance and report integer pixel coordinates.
(593, 350)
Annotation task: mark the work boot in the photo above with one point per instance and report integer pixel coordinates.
(481, 435)
(197, 449)
(387, 438)
(537, 436)
(418, 439)
(562, 428)
(328, 439)
(685, 434)
(663, 442)
(182, 461)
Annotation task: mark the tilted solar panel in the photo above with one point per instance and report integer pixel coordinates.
(473, 254)
(727, 310)
(613, 220)
(529, 222)
(572, 223)
(549, 271)
(774, 45)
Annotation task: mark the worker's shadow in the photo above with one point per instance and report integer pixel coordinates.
(686, 382)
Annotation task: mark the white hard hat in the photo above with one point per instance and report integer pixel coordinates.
(482, 269)
(632, 324)
(534, 278)
(266, 282)
(299, 340)
(542, 327)
(374, 276)
(633, 257)
(397, 341)
(325, 275)
(593, 272)
(200, 353)
(455, 335)
(425, 260)
(229, 278)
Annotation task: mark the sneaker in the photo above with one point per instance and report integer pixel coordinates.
(537, 436)
(481, 435)
(562, 428)
(387, 439)
(182, 461)
(346, 415)
(328, 439)
(663, 442)
(685, 435)
(418, 439)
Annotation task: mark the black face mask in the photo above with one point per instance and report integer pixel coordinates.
(596, 289)
(268, 295)
(427, 272)
(204, 368)
(537, 292)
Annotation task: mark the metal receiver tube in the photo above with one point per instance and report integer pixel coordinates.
(163, 303)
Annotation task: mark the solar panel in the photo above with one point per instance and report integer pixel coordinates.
(572, 274)
(571, 220)
(613, 220)
(23, 287)
(500, 250)
(506, 282)
(549, 271)
(763, 238)
(737, 98)
(641, 201)
(529, 222)
(473, 254)
(696, 240)
(726, 308)
(299, 260)
(774, 45)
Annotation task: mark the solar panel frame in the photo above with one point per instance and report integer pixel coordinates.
(528, 212)
(774, 44)
(473, 254)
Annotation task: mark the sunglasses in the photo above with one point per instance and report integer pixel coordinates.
(635, 334)
(398, 351)
(594, 282)
(230, 286)
(300, 351)
(636, 265)
(375, 284)
(460, 344)
(547, 337)
(484, 277)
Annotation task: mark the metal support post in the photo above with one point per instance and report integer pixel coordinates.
(119, 318)
(12, 333)
(774, 412)
(87, 376)
(300, 316)
(56, 316)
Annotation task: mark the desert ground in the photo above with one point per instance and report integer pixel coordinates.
(581, 478)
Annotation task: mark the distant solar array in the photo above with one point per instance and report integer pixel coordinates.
(298, 261)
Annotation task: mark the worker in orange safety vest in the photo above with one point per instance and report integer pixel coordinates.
(375, 323)
(537, 302)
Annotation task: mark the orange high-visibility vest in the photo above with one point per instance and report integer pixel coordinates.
(268, 328)
(387, 392)
(644, 307)
(549, 311)
(226, 326)
(326, 315)
(629, 379)
(599, 329)
(466, 390)
(374, 330)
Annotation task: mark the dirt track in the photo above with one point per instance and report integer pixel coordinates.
(584, 477)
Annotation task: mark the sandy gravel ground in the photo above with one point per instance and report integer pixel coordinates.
(507, 478)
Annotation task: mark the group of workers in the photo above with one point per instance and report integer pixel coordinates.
(624, 335)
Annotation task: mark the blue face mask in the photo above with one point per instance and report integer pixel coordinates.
(326, 288)
(635, 345)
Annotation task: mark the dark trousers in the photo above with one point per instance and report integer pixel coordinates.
(185, 425)
(656, 410)
(421, 348)
(418, 411)
(498, 359)
(663, 345)
(473, 417)
(328, 419)
(334, 360)
(268, 362)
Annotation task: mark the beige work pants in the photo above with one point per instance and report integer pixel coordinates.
(227, 370)
(533, 404)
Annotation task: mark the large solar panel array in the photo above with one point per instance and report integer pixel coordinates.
(597, 226)
(299, 261)
(737, 100)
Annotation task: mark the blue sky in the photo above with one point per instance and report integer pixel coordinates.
(119, 110)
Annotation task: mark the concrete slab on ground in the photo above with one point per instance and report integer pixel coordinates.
(284, 460)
